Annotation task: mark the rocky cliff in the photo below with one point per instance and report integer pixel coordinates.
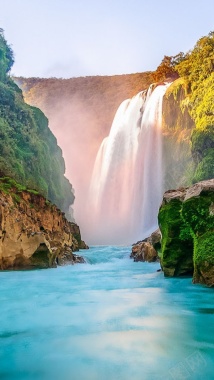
(28, 149)
(34, 233)
(177, 127)
(186, 220)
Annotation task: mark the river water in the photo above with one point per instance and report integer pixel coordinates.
(108, 319)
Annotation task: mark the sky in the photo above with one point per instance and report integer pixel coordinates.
(71, 38)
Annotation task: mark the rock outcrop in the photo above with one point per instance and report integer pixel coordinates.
(147, 249)
(34, 233)
(144, 251)
(186, 220)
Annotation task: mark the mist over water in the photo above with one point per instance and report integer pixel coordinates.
(118, 180)
(108, 319)
(127, 182)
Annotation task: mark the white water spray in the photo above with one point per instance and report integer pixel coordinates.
(127, 181)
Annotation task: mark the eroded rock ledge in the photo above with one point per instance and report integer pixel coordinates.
(186, 220)
(35, 234)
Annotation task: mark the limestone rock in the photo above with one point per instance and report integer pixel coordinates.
(144, 251)
(78, 243)
(147, 249)
(34, 233)
(155, 239)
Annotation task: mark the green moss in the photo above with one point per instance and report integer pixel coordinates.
(196, 213)
(203, 153)
(204, 249)
(16, 198)
(35, 192)
(205, 168)
(177, 242)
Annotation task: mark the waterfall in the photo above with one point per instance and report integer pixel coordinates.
(127, 182)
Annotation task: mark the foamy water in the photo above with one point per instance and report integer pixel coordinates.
(127, 183)
(108, 319)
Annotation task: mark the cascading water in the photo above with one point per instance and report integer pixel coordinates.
(126, 186)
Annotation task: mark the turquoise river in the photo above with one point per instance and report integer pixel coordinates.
(110, 319)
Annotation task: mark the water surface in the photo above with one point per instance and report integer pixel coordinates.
(108, 319)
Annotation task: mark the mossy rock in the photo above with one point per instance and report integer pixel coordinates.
(177, 242)
(204, 259)
(198, 213)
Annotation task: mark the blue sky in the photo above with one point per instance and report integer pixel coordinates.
(67, 38)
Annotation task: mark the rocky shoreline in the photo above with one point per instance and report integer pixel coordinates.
(34, 233)
(186, 221)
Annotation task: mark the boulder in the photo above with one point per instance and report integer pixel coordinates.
(186, 220)
(34, 233)
(177, 242)
(144, 251)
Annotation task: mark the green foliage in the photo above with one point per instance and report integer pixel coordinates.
(8, 184)
(205, 168)
(190, 103)
(203, 153)
(197, 71)
(28, 149)
(198, 64)
(16, 198)
(6, 57)
(201, 103)
(166, 70)
(175, 89)
(87, 102)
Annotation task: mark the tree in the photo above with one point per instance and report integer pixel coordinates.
(6, 56)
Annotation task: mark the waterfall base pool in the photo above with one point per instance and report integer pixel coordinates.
(108, 319)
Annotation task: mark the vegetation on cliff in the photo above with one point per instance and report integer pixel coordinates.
(28, 150)
(188, 113)
(193, 95)
(89, 103)
(197, 69)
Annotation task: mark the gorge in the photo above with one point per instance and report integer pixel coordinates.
(110, 317)
(141, 163)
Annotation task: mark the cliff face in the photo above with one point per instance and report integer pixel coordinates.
(186, 220)
(177, 130)
(34, 233)
(28, 150)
